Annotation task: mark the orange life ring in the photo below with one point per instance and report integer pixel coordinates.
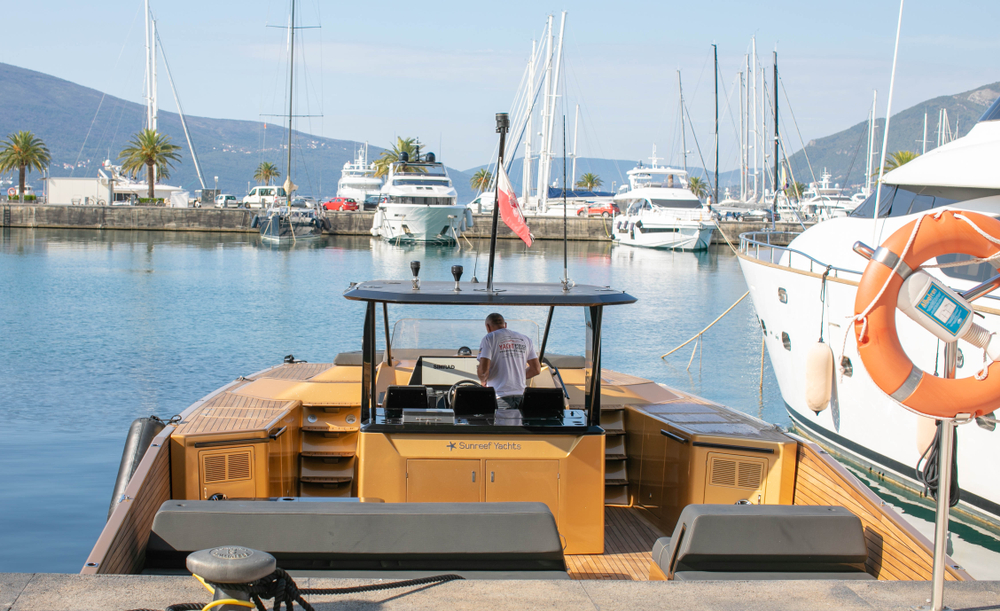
(879, 348)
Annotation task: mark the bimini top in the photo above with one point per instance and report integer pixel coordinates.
(507, 294)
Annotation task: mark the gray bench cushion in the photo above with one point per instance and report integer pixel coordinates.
(566, 361)
(763, 539)
(353, 359)
(327, 536)
(765, 576)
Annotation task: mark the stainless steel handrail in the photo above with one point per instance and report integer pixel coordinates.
(749, 241)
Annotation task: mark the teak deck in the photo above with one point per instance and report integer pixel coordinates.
(628, 545)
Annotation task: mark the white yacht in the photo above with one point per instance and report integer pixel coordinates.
(358, 180)
(419, 204)
(824, 201)
(807, 291)
(659, 211)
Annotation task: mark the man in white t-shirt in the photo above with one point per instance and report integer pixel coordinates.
(507, 360)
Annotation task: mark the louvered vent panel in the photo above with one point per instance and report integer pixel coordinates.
(215, 468)
(723, 472)
(750, 475)
(239, 466)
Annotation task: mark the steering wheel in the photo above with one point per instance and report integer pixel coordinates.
(449, 396)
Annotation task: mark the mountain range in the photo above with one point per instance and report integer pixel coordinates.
(82, 127)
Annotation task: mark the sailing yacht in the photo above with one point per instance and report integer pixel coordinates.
(419, 203)
(358, 180)
(659, 210)
(289, 218)
(809, 289)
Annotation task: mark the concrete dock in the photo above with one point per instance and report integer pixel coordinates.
(57, 592)
(237, 220)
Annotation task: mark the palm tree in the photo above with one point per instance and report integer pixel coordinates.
(897, 159)
(23, 151)
(410, 146)
(151, 150)
(266, 172)
(589, 181)
(698, 187)
(481, 179)
(795, 190)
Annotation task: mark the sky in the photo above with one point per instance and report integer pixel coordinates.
(441, 70)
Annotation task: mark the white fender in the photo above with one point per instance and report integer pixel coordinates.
(377, 223)
(469, 223)
(819, 376)
(926, 429)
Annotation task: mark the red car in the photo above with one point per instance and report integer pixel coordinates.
(344, 204)
(608, 209)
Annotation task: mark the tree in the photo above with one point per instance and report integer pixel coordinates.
(23, 151)
(795, 190)
(151, 150)
(698, 187)
(481, 179)
(589, 181)
(410, 146)
(266, 172)
(897, 159)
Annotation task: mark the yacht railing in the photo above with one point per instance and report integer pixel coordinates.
(761, 245)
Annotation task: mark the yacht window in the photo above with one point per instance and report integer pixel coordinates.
(420, 182)
(677, 203)
(993, 112)
(634, 207)
(974, 272)
(897, 201)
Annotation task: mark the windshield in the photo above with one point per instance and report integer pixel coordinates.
(436, 334)
(993, 112)
(899, 202)
(422, 169)
(676, 203)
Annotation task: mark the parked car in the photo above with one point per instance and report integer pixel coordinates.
(605, 210)
(226, 201)
(344, 204)
(263, 196)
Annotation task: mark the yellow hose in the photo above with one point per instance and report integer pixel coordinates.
(227, 601)
(210, 589)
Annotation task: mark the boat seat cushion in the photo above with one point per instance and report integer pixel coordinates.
(363, 536)
(353, 358)
(763, 539)
(566, 361)
(766, 576)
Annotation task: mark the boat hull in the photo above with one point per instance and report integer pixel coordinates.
(404, 223)
(861, 422)
(679, 235)
(279, 228)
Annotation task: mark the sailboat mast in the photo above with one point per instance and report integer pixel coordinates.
(552, 103)
(149, 74)
(753, 68)
(543, 154)
(526, 165)
(684, 152)
(871, 143)
(774, 211)
(715, 197)
(291, 90)
(576, 137)
(743, 139)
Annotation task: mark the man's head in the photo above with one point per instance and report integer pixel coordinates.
(495, 321)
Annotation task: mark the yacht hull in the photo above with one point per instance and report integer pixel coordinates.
(861, 422)
(279, 228)
(402, 223)
(680, 235)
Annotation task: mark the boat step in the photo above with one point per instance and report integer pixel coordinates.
(616, 494)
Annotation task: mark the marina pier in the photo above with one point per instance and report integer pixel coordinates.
(158, 218)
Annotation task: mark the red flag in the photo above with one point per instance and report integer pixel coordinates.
(510, 211)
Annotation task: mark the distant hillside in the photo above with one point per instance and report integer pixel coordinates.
(65, 116)
(843, 154)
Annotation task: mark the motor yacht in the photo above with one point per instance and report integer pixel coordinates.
(825, 201)
(659, 211)
(419, 204)
(358, 180)
(806, 291)
(391, 461)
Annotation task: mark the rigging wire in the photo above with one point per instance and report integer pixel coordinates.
(788, 103)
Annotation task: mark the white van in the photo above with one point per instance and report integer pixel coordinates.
(263, 196)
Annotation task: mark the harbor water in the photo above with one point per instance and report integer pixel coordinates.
(101, 327)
